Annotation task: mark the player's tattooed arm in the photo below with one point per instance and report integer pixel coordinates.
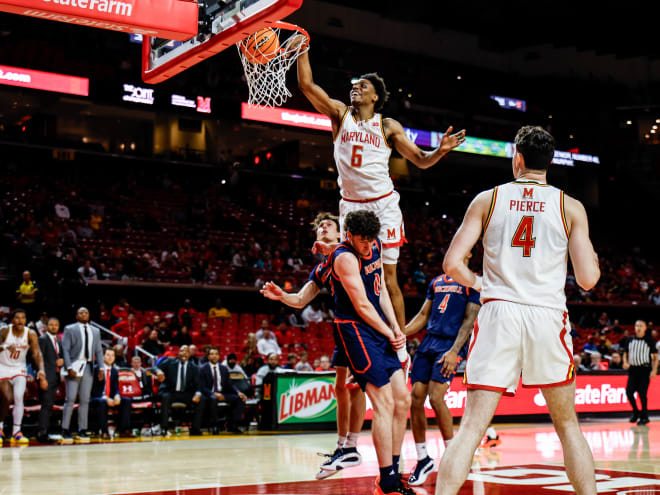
(450, 358)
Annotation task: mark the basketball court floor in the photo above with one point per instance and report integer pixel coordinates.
(527, 462)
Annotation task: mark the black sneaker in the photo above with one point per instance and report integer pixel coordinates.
(421, 471)
(634, 418)
(643, 421)
(399, 489)
(67, 439)
(82, 437)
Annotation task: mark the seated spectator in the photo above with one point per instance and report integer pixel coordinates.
(186, 314)
(590, 345)
(303, 364)
(179, 382)
(127, 327)
(217, 387)
(164, 332)
(182, 337)
(120, 358)
(295, 319)
(579, 366)
(595, 361)
(87, 271)
(105, 316)
(271, 366)
(267, 344)
(152, 345)
(603, 321)
(291, 359)
(264, 326)
(120, 310)
(203, 337)
(312, 313)
(231, 363)
(316, 363)
(218, 310)
(324, 364)
(284, 336)
(251, 352)
(603, 346)
(193, 354)
(616, 363)
(105, 392)
(145, 395)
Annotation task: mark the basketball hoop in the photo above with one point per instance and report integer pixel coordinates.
(267, 81)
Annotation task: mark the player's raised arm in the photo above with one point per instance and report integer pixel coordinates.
(583, 256)
(422, 159)
(464, 240)
(316, 94)
(298, 300)
(348, 271)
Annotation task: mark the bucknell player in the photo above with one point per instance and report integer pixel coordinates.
(529, 230)
(363, 142)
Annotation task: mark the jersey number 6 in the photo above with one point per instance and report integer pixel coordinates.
(356, 155)
(523, 236)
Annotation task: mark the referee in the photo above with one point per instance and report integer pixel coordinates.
(640, 358)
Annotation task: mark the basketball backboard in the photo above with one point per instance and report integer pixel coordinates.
(222, 23)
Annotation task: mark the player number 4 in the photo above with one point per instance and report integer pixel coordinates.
(443, 304)
(356, 156)
(524, 236)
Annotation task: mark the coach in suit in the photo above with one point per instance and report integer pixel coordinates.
(217, 387)
(179, 382)
(51, 350)
(105, 391)
(81, 345)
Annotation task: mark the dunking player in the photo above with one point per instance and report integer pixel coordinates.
(15, 340)
(351, 403)
(450, 310)
(363, 141)
(370, 335)
(529, 229)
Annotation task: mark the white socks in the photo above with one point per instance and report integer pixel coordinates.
(491, 433)
(15, 429)
(341, 440)
(422, 453)
(351, 440)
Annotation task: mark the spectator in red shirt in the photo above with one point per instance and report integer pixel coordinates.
(284, 336)
(277, 262)
(127, 327)
(120, 311)
(203, 337)
(324, 364)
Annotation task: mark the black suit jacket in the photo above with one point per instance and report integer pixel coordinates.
(171, 368)
(98, 386)
(50, 358)
(206, 378)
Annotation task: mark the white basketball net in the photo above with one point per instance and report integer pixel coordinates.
(267, 82)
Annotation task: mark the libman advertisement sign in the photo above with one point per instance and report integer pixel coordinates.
(305, 399)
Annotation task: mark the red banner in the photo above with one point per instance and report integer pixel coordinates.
(593, 393)
(35, 79)
(171, 19)
(286, 116)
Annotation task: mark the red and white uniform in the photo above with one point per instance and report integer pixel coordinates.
(362, 157)
(14, 364)
(523, 324)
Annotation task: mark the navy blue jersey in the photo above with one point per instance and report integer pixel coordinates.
(321, 275)
(371, 269)
(448, 299)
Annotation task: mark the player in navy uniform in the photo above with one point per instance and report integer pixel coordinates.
(367, 328)
(448, 314)
(351, 403)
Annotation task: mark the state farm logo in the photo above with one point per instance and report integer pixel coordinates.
(136, 94)
(605, 394)
(308, 400)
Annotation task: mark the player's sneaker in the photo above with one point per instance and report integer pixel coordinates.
(489, 442)
(421, 471)
(2, 436)
(342, 458)
(19, 438)
(399, 489)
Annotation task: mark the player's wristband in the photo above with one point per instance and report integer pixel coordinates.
(477, 283)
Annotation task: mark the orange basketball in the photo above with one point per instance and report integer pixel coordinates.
(261, 46)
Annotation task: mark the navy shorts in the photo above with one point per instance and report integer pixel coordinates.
(370, 355)
(425, 365)
(339, 358)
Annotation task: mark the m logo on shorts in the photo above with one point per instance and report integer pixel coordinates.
(391, 234)
(528, 193)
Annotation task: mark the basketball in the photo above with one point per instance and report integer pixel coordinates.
(262, 46)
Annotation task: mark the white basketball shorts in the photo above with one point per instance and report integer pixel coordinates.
(511, 339)
(392, 233)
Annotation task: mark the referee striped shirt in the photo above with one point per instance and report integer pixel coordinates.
(640, 350)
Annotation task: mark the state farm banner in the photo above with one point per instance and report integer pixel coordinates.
(305, 399)
(593, 393)
(170, 19)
